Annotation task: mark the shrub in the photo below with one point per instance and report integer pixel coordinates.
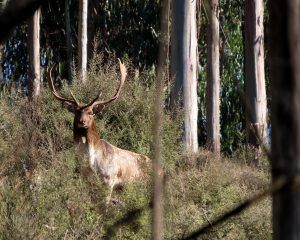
(42, 196)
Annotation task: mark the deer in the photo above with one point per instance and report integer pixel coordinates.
(114, 165)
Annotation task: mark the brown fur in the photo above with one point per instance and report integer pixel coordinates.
(115, 165)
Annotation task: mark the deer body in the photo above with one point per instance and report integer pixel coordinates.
(114, 165)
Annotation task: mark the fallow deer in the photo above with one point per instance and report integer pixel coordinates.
(115, 165)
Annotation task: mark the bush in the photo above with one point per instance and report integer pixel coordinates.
(42, 196)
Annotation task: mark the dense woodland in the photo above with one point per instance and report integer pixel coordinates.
(130, 30)
(207, 81)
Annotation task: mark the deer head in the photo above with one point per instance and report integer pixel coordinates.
(84, 113)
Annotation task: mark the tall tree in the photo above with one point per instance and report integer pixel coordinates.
(158, 209)
(34, 55)
(285, 114)
(68, 39)
(1, 62)
(256, 100)
(82, 40)
(213, 77)
(2, 6)
(184, 67)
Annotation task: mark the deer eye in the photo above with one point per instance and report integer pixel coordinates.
(91, 113)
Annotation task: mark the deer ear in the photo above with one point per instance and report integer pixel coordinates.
(98, 108)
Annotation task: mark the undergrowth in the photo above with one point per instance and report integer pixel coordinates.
(43, 197)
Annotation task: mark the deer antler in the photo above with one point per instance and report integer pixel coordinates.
(123, 71)
(55, 94)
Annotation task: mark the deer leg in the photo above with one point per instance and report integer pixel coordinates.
(108, 198)
(112, 184)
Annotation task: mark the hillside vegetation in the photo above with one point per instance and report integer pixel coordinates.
(43, 197)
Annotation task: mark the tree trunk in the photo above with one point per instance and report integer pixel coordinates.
(184, 68)
(34, 55)
(1, 62)
(82, 40)
(256, 100)
(213, 78)
(162, 74)
(68, 39)
(285, 89)
(177, 89)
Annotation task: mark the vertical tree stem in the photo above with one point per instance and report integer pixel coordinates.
(157, 224)
(285, 89)
(34, 55)
(82, 40)
(213, 77)
(68, 39)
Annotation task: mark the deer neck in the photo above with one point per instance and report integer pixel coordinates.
(86, 136)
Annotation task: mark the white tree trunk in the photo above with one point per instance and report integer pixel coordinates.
(184, 67)
(213, 77)
(82, 40)
(256, 100)
(68, 39)
(34, 55)
(1, 62)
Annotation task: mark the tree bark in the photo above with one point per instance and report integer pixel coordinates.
(34, 55)
(162, 74)
(1, 62)
(285, 89)
(213, 77)
(68, 39)
(256, 100)
(184, 68)
(82, 40)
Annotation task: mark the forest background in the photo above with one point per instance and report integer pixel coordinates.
(42, 197)
(130, 30)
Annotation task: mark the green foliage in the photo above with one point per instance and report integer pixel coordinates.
(125, 28)
(133, 28)
(14, 60)
(231, 74)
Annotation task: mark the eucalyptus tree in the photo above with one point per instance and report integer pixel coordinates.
(213, 76)
(34, 55)
(184, 67)
(256, 100)
(2, 7)
(82, 39)
(68, 39)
